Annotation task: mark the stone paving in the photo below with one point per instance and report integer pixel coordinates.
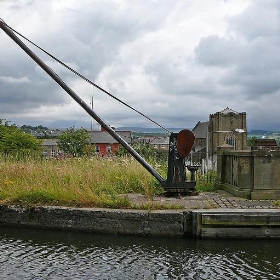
(205, 201)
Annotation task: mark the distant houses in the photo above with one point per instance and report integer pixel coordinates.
(160, 143)
(50, 148)
(227, 127)
(103, 142)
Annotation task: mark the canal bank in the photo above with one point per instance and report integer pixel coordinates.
(207, 215)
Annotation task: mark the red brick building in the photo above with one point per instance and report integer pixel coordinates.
(105, 144)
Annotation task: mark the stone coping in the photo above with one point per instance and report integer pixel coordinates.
(201, 223)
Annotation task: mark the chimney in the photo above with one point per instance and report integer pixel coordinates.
(103, 128)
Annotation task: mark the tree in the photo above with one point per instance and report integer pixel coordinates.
(74, 142)
(146, 151)
(14, 140)
(251, 141)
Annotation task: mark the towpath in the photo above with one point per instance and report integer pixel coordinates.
(206, 200)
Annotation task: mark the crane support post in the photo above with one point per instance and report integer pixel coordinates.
(55, 77)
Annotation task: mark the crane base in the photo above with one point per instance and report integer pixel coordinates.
(182, 188)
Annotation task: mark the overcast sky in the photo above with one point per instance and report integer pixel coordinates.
(175, 61)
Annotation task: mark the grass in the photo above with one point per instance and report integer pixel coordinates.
(277, 203)
(206, 182)
(82, 182)
(94, 182)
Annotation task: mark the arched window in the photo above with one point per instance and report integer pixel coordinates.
(230, 139)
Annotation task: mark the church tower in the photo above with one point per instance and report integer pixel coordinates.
(227, 127)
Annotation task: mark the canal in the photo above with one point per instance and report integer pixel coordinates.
(47, 254)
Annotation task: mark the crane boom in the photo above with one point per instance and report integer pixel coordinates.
(180, 144)
(83, 104)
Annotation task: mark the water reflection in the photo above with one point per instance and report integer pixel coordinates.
(46, 254)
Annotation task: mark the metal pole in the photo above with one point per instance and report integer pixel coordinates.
(207, 149)
(92, 103)
(51, 73)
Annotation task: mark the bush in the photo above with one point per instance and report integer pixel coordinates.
(15, 142)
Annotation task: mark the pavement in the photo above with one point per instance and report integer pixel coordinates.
(205, 200)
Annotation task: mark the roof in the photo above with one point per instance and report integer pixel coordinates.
(49, 142)
(200, 129)
(160, 141)
(103, 137)
(265, 142)
(227, 110)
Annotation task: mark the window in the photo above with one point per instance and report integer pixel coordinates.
(231, 140)
(109, 149)
(97, 149)
(53, 153)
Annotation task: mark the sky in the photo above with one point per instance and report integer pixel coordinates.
(175, 61)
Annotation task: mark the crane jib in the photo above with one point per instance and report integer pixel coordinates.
(180, 144)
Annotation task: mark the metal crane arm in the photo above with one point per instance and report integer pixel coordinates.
(55, 77)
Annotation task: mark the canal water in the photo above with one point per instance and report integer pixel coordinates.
(47, 254)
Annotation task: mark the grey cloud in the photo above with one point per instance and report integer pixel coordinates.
(109, 39)
(30, 95)
(254, 86)
(180, 80)
(251, 65)
(16, 4)
(260, 19)
(217, 51)
(102, 29)
(257, 68)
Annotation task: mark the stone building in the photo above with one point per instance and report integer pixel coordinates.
(199, 149)
(227, 127)
(160, 143)
(50, 148)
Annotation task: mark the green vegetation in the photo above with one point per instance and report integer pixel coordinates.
(206, 182)
(251, 141)
(14, 142)
(81, 181)
(30, 129)
(146, 151)
(75, 142)
(84, 182)
(263, 134)
(277, 203)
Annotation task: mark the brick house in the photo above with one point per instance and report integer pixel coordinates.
(105, 144)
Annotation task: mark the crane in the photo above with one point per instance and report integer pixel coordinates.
(180, 144)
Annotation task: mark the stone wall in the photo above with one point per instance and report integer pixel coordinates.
(211, 223)
(113, 221)
(266, 174)
(249, 174)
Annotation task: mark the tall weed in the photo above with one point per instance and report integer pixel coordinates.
(96, 181)
(206, 182)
